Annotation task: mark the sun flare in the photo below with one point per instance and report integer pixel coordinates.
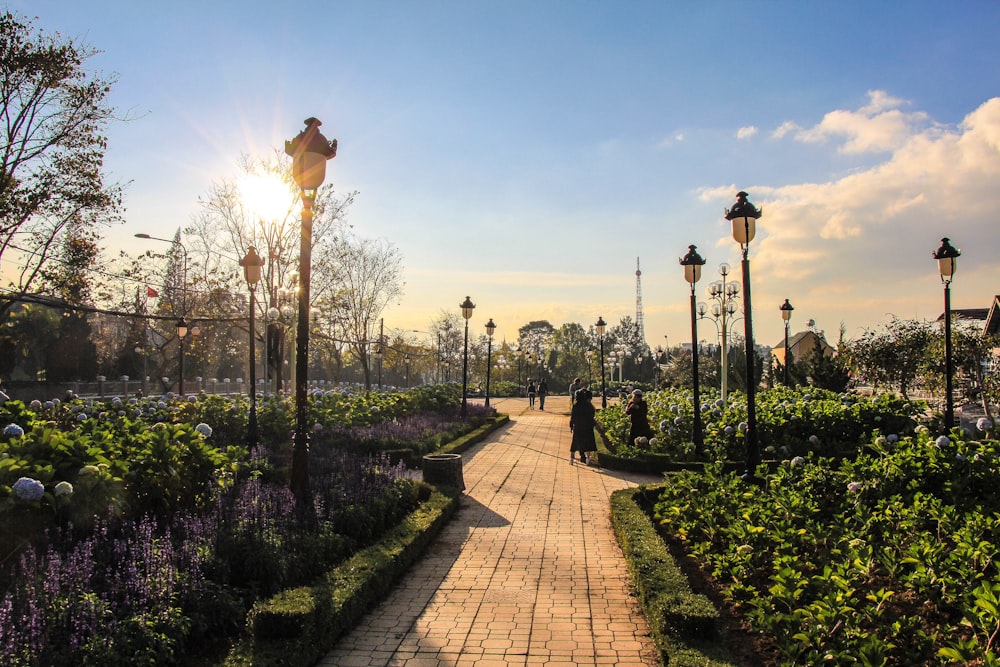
(265, 196)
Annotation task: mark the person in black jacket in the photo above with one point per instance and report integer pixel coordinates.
(543, 391)
(638, 411)
(581, 422)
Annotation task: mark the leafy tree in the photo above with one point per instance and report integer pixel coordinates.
(679, 371)
(54, 113)
(822, 370)
(893, 356)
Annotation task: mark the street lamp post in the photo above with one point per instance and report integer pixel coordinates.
(467, 307)
(309, 151)
(378, 361)
(252, 264)
(947, 257)
(786, 315)
(490, 330)
(724, 294)
(692, 263)
(182, 329)
(601, 324)
(744, 217)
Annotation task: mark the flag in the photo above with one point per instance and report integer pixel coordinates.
(151, 293)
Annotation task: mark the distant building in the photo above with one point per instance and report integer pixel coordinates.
(801, 345)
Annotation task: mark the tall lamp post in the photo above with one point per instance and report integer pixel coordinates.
(182, 330)
(947, 257)
(744, 216)
(786, 315)
(490, 330)
(724, 293)
(309, 151)
(467, 307)
(252, 264)
(692, 263)
(600, 334)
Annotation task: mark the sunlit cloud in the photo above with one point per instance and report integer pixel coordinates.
(860, 245)
(878, 126)
(746, 132)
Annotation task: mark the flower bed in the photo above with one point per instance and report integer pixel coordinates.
(163, 530)
(890, 558)
(790, 422)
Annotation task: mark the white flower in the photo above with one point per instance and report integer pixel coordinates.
(798, 461)
(28, 489)
(653, 442)
(35, 404)
(641, 441)
(63, 489)
(204, 429)
(743, 426)
(814, 439)
(984, 424)
(854, 487)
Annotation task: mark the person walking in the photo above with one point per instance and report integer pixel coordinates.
(638, 414)
(576, 386)
(581, 422)
(532, 391)
(543, 391)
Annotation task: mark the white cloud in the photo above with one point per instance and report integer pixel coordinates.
(673, 139)
(878, 126)
(858, 247)
(746, 132)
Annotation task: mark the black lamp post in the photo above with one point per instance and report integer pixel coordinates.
(182, 330)
(744, 216)
(786, 315)
(309, 151)
(600, 334)
(252, 264)
(490, 330)
(378, 360)
(692, 263)
(467, 307)
(947, 257)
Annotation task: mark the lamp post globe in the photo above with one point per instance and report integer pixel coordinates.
(692, 263)
(947, 256)
(309, 151)
(601, 324)
(743, 216)
(467, 307)
(786, 314)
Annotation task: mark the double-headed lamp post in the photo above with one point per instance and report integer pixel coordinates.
(947, 256)
(601, 324)
(744, 216)
(490, 330)
(252, 264)
(309, 151)
(692, 263)
(786, 314)
(467, 307)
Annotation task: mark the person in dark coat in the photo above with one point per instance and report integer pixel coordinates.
(638, 415)
(543, 391)
(581, 422)
(531, 390)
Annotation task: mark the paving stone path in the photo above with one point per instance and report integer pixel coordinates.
(527, 573)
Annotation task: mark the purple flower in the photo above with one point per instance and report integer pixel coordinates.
(942, 441)
(13, 431)
(28, 489)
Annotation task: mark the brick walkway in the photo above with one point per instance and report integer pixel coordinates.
(527, 572)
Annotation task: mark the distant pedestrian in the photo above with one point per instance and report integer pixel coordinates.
(581, 422)
(638, 414)
(576, 386)
(532, 391)
(543, 391)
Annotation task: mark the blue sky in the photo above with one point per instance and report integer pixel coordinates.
(526, 153)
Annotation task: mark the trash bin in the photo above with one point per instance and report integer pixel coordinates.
(444, 469)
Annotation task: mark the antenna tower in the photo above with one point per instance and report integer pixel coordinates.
(638, 304)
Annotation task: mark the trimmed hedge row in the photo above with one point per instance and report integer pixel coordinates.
(684, 625)
(300, 625)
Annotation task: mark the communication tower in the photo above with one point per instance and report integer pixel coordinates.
(638, 304)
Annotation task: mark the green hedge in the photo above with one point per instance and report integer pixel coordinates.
(684, 625)
(299, 626)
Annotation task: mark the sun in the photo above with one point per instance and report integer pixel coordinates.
(265, 197)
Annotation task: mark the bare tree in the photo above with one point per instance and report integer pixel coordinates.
(53, 114)
(370, 276)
